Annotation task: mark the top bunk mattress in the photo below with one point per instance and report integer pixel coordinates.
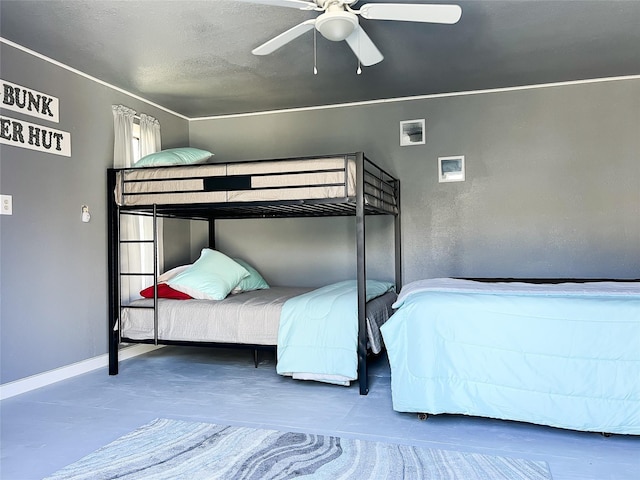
(254, 181)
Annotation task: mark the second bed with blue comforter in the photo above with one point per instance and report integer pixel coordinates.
(565, 355)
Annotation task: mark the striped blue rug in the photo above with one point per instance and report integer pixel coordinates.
(172, 449)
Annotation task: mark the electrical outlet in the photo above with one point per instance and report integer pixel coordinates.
(6, 205)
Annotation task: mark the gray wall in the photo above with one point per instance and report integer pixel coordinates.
(53, 283)
(552, 183)
(304, 252)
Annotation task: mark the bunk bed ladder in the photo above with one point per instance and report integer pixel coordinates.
(115, 280)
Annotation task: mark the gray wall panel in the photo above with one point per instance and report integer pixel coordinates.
(54, 267)
(552, 181)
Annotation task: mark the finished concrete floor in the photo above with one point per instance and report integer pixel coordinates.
(46, 429)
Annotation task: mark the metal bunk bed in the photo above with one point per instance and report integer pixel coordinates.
(337, 185)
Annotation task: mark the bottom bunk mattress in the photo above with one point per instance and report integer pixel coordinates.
(248, 317)
(565, 355)
(254, 318)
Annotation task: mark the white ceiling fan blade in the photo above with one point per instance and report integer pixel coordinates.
(284, 38)
(364, 48)
(412, 12)
(299, 4)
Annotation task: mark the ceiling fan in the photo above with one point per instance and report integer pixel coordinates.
(339, 21)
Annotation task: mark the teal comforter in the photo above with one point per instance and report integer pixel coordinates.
(318, 333)
(563, 355)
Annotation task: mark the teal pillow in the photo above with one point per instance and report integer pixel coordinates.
(211, 277)
(174, 156)
(253, 282)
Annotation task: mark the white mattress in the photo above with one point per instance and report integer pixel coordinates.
(308, 179)
(247, 318)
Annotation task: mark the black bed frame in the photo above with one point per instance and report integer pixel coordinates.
(347, 206)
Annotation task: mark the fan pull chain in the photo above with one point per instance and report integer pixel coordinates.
(315, 69)
(359, 70)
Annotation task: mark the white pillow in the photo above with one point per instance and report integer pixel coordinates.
(169, 274)
(211, 277)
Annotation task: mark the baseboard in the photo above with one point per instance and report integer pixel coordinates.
(17, 387)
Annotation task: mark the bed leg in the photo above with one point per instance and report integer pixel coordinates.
(113, 352)
(423, 416)
(255, 357)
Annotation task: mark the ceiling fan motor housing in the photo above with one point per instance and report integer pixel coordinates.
(336, 25)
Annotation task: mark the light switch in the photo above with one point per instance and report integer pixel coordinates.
(6, 205)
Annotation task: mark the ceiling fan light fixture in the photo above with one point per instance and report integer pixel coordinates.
(336, 26)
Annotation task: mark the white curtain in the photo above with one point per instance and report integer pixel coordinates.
(150, 142)
(123, 136)
(134, 257)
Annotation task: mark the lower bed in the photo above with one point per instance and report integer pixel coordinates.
(249, 318)
(254, 318)
(565, 355)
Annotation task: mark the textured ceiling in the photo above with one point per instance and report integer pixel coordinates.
(194, 57)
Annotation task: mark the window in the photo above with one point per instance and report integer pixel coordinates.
(136, 140)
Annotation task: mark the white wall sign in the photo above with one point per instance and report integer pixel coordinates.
(34, 137)
(30, 102)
